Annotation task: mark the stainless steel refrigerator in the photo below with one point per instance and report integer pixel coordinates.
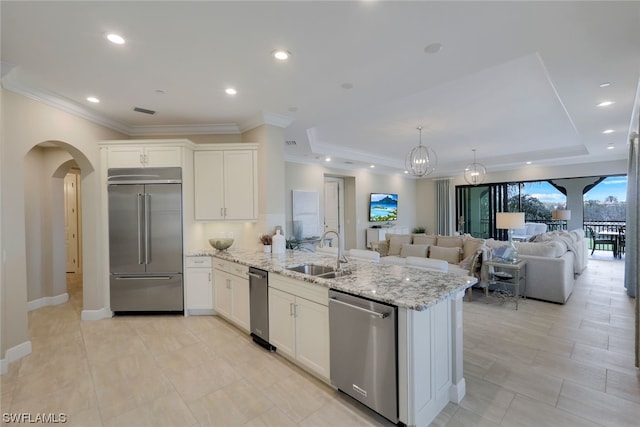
(145, 240)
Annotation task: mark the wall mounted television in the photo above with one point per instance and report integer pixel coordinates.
(383, 207)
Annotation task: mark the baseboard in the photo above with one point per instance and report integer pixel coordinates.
(458, 391)
(99, 314)
(13, 354)
(47, 301)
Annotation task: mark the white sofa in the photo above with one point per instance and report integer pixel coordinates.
(550, 270)
(530, 229)
(554, 259)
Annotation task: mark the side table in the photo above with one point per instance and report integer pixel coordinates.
(509, 274)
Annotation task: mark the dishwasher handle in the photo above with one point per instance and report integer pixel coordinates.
(371, 312)
(256, 276)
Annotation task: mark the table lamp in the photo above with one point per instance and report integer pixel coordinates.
(561, 215)
(510, 221)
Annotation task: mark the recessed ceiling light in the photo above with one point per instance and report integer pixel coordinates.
(433, 48)
(610, 147)
(605, 84)
(230, 91)
(606, 103)
(528, 163)
(115, 38)
(608, 131)
(406, 171)
(93, 99)
(372, 166)
(281, 55)
(327, 159)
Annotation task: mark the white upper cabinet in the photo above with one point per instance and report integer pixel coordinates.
(225, 184)
(142, 156)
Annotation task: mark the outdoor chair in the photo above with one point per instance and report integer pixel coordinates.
(596, 239)
(621, 240)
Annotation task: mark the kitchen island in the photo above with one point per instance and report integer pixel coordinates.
(429, 321)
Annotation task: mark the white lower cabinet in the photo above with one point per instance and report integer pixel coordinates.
(299, 322)
(198, 283)
(231, 292)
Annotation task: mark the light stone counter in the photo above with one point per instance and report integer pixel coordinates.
(401, 286)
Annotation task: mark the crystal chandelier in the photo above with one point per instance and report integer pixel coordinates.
(475, 172)
(421, 160)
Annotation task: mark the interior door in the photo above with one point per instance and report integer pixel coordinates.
(71, 221)
(333, 202)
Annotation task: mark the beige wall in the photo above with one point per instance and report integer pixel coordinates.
(425, 204)
(26, 123)
(44, 221)
(310, 177)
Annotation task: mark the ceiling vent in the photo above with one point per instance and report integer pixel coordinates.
(143, 110)
(290, 142)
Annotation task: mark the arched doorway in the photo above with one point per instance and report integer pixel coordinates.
(46, 167)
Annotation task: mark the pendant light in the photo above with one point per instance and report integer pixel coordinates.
(475, 172)
(421, 160)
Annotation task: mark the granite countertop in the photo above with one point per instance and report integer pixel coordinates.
(402, 286)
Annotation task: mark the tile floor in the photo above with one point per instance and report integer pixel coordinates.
(543, 365)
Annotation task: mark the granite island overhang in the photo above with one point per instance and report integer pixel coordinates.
(429, 305)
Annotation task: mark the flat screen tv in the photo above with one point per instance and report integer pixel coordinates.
(383, 207)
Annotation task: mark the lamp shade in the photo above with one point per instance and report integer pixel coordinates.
(510, 220)
(561, 214)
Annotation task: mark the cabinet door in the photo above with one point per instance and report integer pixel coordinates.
(163, 156)
(209, 185)
(199, 289)
(238, 184)
(222, 293)
(240, 302)
(125, 156)
(281, 321)
(312, 335)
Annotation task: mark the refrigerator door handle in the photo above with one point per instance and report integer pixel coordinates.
(140, 236)
(143, 277)
(147, 229)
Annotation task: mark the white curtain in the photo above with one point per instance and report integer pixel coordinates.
(631, 270)
(443, 207)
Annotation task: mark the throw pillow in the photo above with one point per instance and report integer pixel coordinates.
(423, 239)
(471, 246)
(414, 250)
(450, 241)
(396, 241)
(451, 255)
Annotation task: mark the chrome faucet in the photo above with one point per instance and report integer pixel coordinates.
(342, 259)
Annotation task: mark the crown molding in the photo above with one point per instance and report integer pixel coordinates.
(10, 82)
(52, 99)
(208, 129)
(323, 148)
(265, 118)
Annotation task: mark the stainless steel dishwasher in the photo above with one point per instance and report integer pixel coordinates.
(259, 307)
(363, 340)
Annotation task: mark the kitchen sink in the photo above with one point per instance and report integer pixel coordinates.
(312, 269)
(322, 271)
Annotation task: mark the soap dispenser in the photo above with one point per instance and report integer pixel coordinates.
(278, 243)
